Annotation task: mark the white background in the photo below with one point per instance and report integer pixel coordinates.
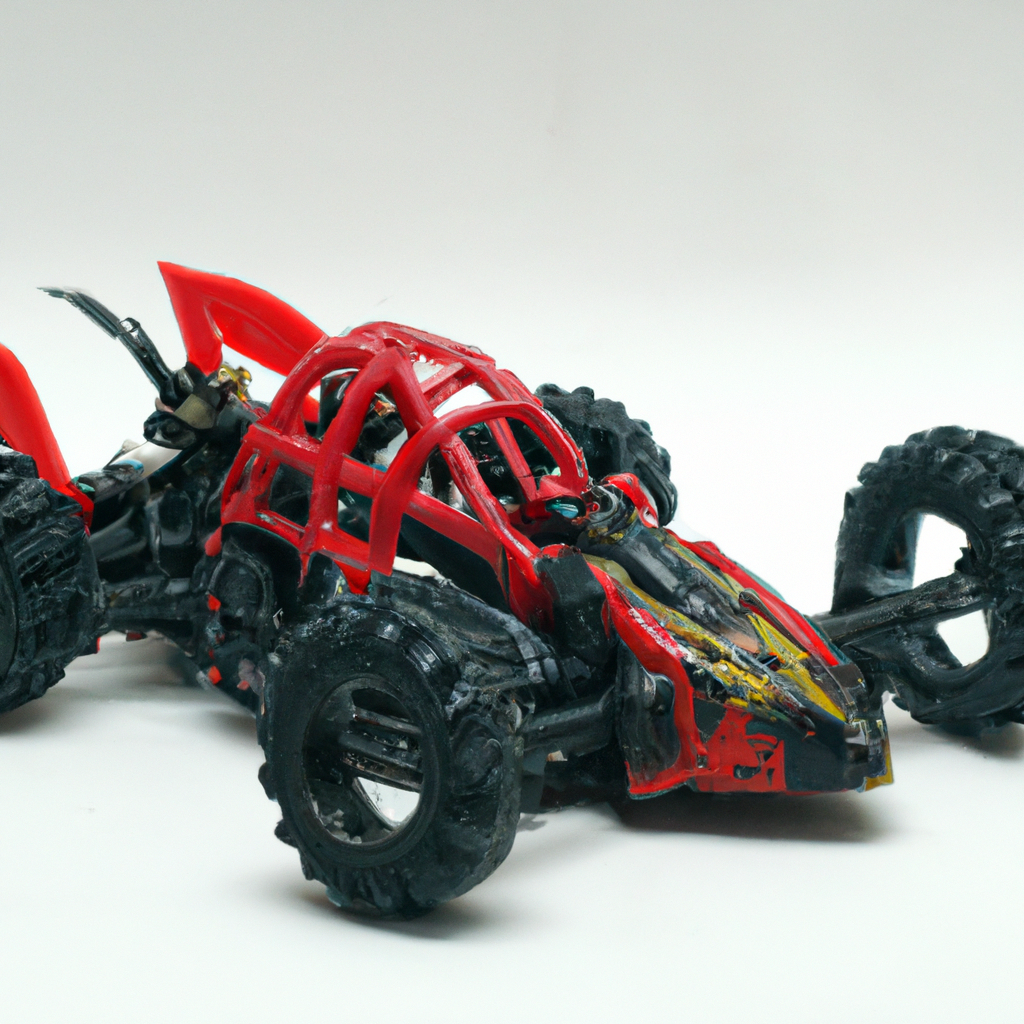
(786, 234)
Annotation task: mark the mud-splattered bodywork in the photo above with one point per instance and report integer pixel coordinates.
(760, 702)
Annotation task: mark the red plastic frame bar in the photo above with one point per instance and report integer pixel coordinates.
(26, 428)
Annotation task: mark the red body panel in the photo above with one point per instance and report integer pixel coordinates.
(25, 428)
(731, 747)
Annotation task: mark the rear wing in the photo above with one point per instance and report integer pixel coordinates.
(213, 310)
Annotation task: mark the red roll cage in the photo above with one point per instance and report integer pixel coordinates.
(384, 357)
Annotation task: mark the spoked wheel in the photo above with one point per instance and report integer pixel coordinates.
(363, 756)
(974, 481)
(397, 795)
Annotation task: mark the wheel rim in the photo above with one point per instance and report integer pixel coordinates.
(930, 650)
(363, 759)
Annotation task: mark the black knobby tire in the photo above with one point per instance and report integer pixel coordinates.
(612, 442)
(49, 586)
(974, 480)
(361, 697)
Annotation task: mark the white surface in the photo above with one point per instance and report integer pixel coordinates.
(787, 234)
(140, 881)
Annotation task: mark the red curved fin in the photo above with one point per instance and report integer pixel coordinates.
(26, 429)
(213, 310)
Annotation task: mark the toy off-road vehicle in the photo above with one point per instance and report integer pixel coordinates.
(448, 600)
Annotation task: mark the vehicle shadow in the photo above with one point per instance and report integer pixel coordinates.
(149, 671)
(826, 818)
(1005, 743)
(456, 920)
(28, 717)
